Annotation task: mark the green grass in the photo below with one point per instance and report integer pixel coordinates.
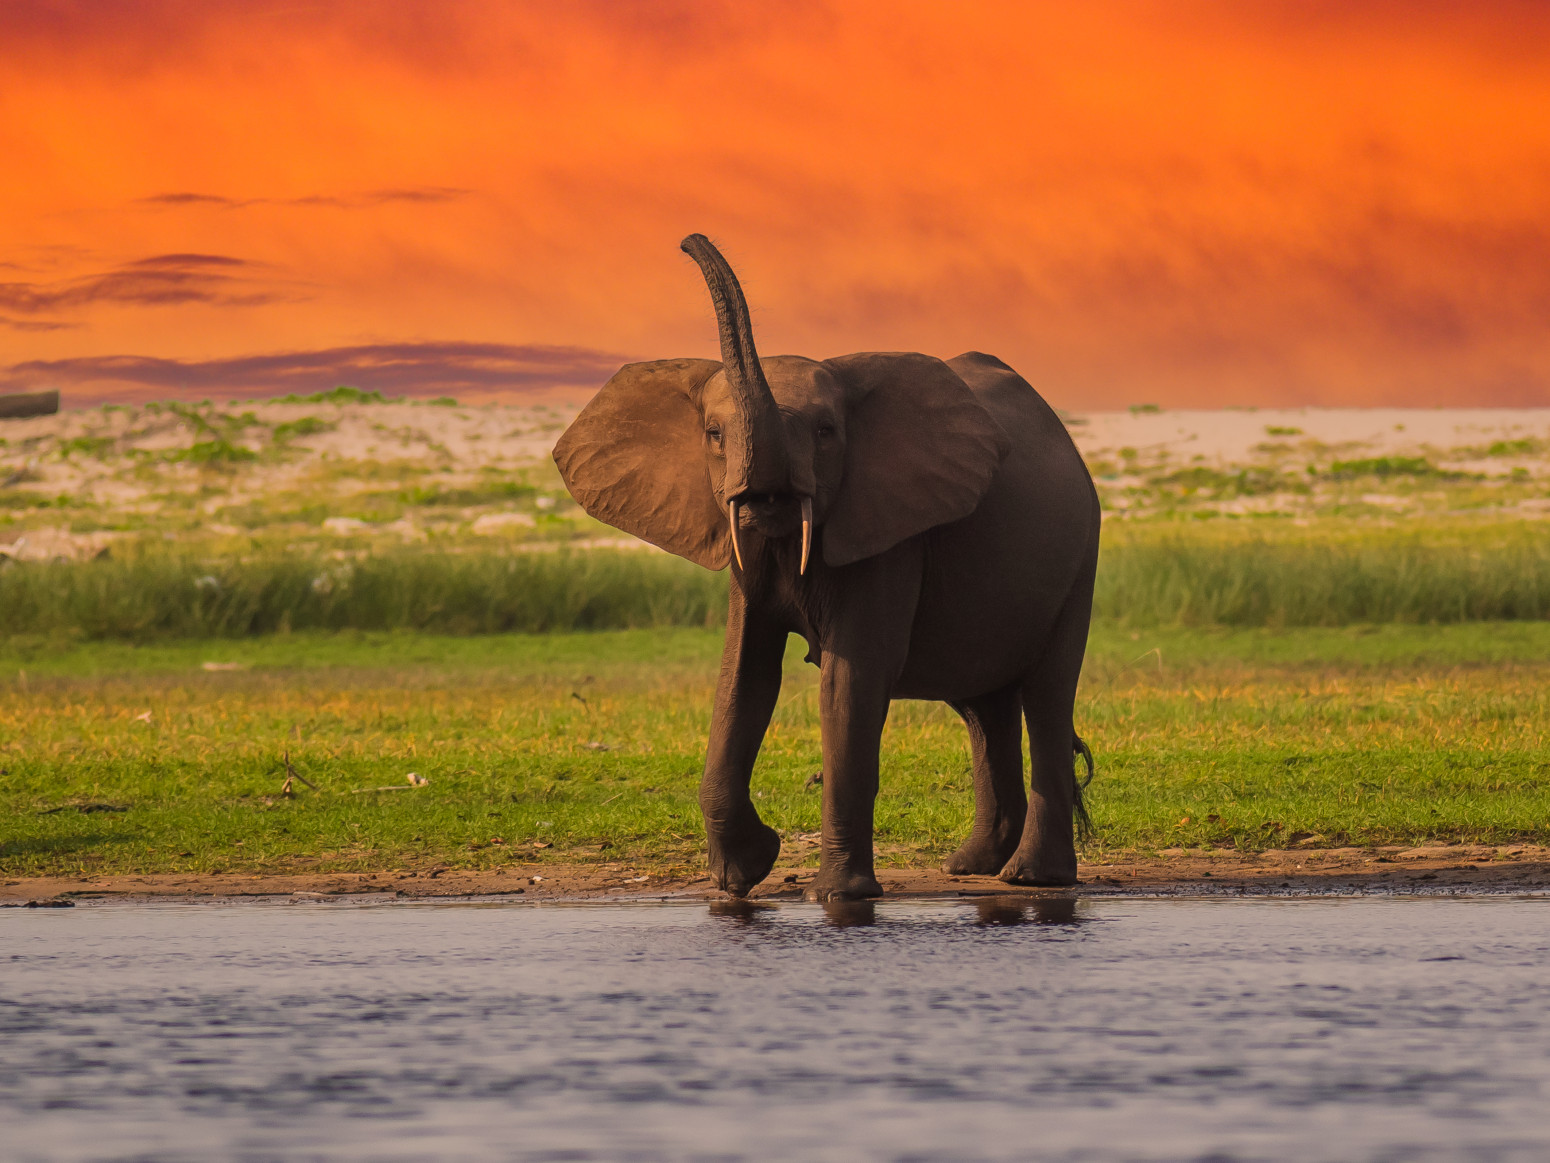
(1384, 467)
(343, 394)
(592, 744)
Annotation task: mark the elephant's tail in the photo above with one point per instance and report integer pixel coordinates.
(1084, 822)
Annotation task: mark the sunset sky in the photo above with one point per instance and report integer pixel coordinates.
(1184, 202)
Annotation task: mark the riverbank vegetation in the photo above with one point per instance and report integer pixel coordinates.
(1151, 575)
(1310, 628)
(173, 756)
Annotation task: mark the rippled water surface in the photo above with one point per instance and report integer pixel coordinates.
(1114, 1030)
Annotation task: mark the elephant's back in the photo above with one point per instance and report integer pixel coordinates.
(1026, 417)
(995, 581)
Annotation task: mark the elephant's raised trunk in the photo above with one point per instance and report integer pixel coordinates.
(755, 445)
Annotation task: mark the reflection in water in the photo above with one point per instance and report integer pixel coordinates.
(740, 909)
(1010, 909)
(850, 914)
(1001, 909)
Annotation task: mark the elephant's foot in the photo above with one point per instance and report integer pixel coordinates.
(982, 855)
(843, 885)
(1038, 870)
(736, 865)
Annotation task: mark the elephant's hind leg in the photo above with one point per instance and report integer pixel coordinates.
(1000, 801)
(1046, 854)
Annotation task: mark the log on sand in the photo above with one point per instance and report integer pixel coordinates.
(21, 404)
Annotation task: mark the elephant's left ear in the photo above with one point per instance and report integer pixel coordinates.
(920, 451)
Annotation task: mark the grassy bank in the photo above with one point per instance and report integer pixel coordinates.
(138, 758)
(1332, 573)
(154, 594)
(1260, 573)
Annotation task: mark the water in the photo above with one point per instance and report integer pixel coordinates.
(1384, 1030)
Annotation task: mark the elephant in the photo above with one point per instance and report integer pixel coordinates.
(927, 526)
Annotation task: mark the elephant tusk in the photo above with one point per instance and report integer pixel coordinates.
(807, 533)
(737, 550)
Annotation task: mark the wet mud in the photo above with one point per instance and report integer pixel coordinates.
(1312, 872)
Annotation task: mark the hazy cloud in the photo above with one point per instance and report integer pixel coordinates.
(463, 369)
(1196, 201)
(432, 36)
(157, 281)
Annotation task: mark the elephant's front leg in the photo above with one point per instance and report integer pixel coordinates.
(863, 656)
(743, 848)
(854, 707)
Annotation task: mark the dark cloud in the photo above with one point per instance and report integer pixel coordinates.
(157, 281)
(187, 261)
(420, 195)
(414, 194)
(35, 324)
(415, 369)
(188, 199)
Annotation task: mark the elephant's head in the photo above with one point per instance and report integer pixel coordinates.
(689, 453)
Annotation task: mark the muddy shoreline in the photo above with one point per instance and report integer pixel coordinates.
(1515, 868)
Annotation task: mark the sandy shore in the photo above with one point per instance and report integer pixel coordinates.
(1518, 868)
(1242, 436)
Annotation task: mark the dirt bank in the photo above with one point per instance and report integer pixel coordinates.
(1342, 870)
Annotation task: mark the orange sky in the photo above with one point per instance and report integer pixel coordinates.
(1193, 203)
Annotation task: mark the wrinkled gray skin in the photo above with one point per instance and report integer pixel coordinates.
(954, 545)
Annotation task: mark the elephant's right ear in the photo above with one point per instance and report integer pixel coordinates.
(635, 459)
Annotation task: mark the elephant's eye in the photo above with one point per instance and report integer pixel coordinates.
(713, 435)
(825, 431)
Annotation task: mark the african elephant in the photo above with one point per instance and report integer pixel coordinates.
(929, 528)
